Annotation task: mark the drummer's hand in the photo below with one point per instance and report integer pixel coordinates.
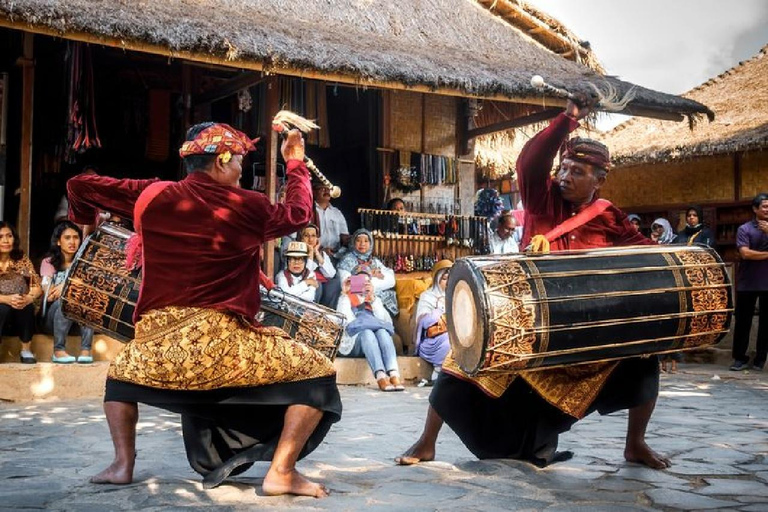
(293, 146)
(345, 286)
(311, 281)
(573, 110)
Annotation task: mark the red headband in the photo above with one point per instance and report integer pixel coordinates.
(218, 139)
(588, 151)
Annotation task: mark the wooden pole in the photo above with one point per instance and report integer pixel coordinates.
(273, 105)
(25, 160)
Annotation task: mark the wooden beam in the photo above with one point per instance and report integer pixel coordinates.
(514, 123)
(25, 161)
(228, 88)
(737, 175)
(272, 106)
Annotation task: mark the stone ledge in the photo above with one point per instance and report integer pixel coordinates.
(50, 381)
(104, 348)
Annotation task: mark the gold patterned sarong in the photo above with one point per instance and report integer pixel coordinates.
(196, 349)
(571, 389)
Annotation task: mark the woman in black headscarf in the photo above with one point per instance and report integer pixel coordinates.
(695, 232)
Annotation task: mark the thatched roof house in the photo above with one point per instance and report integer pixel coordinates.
(456, 47)
(739, 97)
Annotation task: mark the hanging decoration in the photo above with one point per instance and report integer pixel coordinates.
(81, 124)
(488, 204)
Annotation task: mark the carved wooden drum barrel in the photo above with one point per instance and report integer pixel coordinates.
(525, 312)
(99, 291)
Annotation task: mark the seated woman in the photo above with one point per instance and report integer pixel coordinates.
(65, 242)
(431, 336)
(19, 289)
(329, 286)
(369, 330)
(360, 258)
(695, 232)
(297, 279)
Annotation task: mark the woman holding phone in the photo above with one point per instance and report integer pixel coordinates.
(369, 330)
(360, 258)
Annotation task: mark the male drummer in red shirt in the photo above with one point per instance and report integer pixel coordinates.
(524, 419)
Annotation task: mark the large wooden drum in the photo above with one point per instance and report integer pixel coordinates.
(98, 290)
(101, 293)
(525, 312)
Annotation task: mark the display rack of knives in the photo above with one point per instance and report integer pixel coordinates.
(413, 242)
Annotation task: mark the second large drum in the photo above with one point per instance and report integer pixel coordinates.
(525, 312)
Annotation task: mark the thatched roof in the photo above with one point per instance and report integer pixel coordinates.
(447, 46)
(739, 97)
(546, 30)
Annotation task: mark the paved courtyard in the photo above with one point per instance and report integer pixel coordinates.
(713, 423)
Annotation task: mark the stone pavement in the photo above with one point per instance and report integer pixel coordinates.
(713, 423)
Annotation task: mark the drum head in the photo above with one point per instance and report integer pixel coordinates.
(467, 317)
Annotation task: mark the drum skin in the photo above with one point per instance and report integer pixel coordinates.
(98, 290)
(101, 293)
(525, 312)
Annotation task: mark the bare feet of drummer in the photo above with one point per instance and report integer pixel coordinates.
(290, 481)
(117, 473)
(643, 454)
(421, 451)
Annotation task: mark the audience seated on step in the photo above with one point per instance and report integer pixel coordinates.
(297, 279)
(369, 330)
(360, 258)
(319, 262)
(19, 289)
(431, 336)
(65, 241)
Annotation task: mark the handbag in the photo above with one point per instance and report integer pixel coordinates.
(13, 283)
(365, 320)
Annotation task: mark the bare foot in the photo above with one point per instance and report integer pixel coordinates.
(419, 452)
(291, 482)
(114, 474)
(642, 454)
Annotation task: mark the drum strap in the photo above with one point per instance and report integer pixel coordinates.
(540, 243)
(134, 247)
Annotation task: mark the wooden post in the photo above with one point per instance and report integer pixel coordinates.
(273, 105)
(25, 161)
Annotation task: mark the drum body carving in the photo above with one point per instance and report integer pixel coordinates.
(101, 293)
(525, 312)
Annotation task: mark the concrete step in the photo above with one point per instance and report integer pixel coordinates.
(51, 381)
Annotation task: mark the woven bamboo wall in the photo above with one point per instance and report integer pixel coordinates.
(405, 118)
(754, 174)
(440, 125)
(702, 180)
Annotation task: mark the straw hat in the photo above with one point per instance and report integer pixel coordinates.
(297, 249)
(440, 265)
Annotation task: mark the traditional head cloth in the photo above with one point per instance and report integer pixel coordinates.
(218, 139)
(588, 151)
(633, 216)
(669, 235)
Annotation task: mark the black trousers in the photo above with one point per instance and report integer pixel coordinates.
(745, 310)
(23, 319)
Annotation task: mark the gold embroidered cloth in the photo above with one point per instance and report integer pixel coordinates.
(197, 349)
(571, 389)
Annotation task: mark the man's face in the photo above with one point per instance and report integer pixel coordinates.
(578, 182)
(762, 211)
(321, 191)
(508, 221)
(399, 206)
(692, 218)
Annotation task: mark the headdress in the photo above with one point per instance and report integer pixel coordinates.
(218, 139)
(588, 151)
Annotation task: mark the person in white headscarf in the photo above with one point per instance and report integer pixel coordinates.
(662, 232)
(431, 335)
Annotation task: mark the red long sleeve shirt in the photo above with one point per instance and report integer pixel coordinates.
(545, 207)
(202, 240)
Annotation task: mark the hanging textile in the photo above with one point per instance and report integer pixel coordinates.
(81, 124)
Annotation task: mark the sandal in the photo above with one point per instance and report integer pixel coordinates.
(384, 385)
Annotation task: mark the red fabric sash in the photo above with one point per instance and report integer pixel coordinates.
(578, 220)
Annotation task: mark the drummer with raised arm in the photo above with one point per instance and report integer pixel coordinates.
(245, 393)
(521, 415)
